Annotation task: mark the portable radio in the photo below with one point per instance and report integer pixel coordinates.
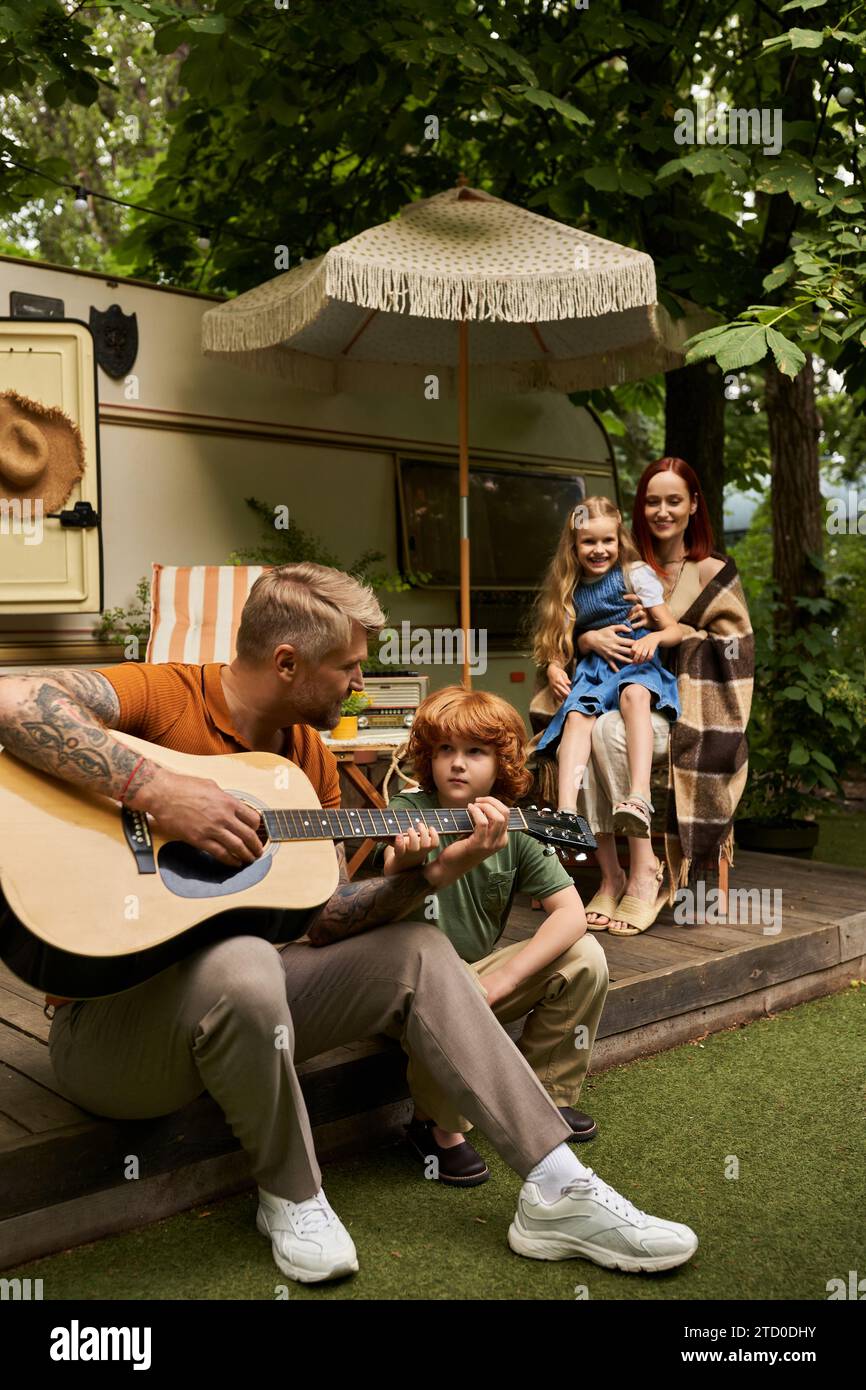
(395, 700)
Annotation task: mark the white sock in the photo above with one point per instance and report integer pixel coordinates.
(555, 1171)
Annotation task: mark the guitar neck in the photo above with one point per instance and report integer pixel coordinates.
(368, 823)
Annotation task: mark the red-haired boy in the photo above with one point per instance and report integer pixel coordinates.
(467, 750)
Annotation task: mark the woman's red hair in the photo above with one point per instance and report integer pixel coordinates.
(698, 539)
(477, 716)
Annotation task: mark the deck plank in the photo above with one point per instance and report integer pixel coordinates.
(32, 1106)
(24, 1015)
(10, 1132)
(28, 1056)
(653, 952)
(759, 866)
(632, 1004)
(20, 987)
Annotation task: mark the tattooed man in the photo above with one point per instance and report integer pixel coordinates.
(211, 1021)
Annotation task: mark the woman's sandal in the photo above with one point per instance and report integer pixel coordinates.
(632, 816)
(605, 906)
(637, 914)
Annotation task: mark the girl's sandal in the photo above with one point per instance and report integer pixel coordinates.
(636, 914)
(632, 817)
(605, 906)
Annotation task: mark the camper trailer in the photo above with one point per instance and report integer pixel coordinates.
(175, 441)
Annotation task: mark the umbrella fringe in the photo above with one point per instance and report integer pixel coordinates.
(520, 299)
(264, 325)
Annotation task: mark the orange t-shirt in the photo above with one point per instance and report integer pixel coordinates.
(183, 707)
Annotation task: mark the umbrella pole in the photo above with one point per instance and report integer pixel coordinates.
(463, 430)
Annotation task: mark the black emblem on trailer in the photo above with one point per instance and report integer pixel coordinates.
(115, 335)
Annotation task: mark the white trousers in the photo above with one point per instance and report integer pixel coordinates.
(607, 780)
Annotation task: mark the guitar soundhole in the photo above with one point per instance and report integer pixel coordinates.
(193, 873)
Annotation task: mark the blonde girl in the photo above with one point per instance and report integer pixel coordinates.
(594, 566)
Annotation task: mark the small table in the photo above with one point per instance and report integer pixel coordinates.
(351, 754)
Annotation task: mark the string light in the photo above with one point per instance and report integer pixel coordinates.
(82, 195)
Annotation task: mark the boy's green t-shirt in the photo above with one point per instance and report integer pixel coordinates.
(472, 912)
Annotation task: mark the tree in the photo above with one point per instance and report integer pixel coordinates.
(811, 237)
(111, 145)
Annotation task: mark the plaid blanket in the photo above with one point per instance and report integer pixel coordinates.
(708, 752)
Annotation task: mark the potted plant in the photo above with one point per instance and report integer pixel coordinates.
(128, 628)
(349, 710)
(807, 722)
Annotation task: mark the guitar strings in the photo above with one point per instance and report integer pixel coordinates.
(315, 823)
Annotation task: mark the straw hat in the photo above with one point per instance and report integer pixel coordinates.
(41, 451)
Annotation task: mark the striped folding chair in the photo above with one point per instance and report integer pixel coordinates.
(195, 610)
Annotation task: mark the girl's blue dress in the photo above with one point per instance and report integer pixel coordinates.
(596, 688)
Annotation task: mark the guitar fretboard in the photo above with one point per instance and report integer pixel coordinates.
(369, 823)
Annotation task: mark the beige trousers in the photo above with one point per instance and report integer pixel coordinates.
(234, 1018)
(607, 779)
(564, 1003)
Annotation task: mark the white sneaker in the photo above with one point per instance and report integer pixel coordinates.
(593, 1222)
(308, 1239)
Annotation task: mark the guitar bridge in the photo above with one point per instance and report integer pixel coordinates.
(137, 832)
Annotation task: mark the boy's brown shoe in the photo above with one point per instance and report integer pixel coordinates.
(583, 1127)
(460, 1166)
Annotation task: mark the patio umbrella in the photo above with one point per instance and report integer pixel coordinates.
(457, 280)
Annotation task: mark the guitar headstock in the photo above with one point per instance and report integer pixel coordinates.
(559, 828)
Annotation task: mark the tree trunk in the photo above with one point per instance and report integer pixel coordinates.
(798, 530)
(792, 414)
(695, 431)
(694, 399)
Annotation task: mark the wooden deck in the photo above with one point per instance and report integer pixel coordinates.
(62, 1170)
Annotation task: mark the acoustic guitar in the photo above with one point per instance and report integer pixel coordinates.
(94, 900)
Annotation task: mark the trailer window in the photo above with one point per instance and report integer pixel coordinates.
(516, 515)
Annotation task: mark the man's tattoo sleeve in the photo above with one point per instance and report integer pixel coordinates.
(55, 723)
(356, 907)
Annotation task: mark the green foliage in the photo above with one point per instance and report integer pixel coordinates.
(634, 418)
(816, 287)
(285, 543)
(112, 142)
(355, 703)
(809, 711)
(805, 723)
(118, 625)
(846, 571)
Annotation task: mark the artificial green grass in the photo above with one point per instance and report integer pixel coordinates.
(842, 839)
(783, 1096)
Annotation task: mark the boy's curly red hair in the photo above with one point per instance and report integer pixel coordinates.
(455, 712)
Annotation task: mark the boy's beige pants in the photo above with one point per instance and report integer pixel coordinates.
(564, 1002)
